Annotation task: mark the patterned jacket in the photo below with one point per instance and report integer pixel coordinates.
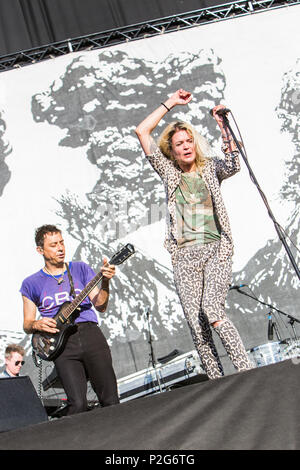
(214, 172)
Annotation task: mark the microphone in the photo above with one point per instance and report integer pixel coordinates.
(221, 112)
(237, 287)
(270, 327)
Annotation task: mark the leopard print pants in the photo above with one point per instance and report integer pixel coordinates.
(202, 283)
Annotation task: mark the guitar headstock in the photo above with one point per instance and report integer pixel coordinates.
(123, 254)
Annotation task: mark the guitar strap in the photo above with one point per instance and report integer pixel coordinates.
(72, 290)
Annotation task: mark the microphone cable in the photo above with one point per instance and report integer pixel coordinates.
(253, 179)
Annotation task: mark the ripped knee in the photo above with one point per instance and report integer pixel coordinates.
(217, 323)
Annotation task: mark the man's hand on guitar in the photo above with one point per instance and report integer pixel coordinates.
(48, 325)
(108, 270)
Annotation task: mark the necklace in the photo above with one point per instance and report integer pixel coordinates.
(60, 280)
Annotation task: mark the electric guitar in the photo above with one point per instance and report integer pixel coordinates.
(49, 346)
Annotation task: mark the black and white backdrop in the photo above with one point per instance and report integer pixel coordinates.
(69, 156)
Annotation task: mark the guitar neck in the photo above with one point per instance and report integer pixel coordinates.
(119, 257)
(83, 294)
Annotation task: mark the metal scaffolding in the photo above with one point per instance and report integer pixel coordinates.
(141, 31)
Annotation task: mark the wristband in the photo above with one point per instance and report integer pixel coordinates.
(229, 139)
(168, 109)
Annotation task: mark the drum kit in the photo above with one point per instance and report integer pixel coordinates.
(275, 351)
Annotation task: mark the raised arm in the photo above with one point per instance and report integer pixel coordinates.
(230, 165)
(228, 142)
(147, 126)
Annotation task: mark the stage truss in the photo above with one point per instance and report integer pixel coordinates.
(141, 31)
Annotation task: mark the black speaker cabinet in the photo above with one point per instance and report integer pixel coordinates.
(19, 404)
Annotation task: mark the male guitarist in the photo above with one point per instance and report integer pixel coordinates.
(86, 354)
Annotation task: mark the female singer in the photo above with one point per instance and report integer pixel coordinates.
(198, 231)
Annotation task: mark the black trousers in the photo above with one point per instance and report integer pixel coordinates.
(87, 356)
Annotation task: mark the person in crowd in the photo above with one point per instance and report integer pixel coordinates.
(198, 231)
(14, 360)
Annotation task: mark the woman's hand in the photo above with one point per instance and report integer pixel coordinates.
(220, 119)
(228, 143)
(180, 97)
(147, 126)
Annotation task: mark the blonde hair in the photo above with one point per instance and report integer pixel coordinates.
(201, 145)
(11, 348)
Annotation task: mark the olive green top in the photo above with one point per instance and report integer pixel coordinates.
(197, 222)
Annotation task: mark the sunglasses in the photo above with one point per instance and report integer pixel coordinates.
(19, 362)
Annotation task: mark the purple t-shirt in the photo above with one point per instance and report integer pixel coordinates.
(48, 296)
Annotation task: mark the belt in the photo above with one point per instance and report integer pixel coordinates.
(83, 323)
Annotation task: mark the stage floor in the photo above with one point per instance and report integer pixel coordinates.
(256, 410)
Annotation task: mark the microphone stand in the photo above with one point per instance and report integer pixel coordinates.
(291, 322)
(252, 176)
(152, 356)
(292, 319)
(274, 324)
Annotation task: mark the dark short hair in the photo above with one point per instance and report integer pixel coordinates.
(42, 231)
(11, 348)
